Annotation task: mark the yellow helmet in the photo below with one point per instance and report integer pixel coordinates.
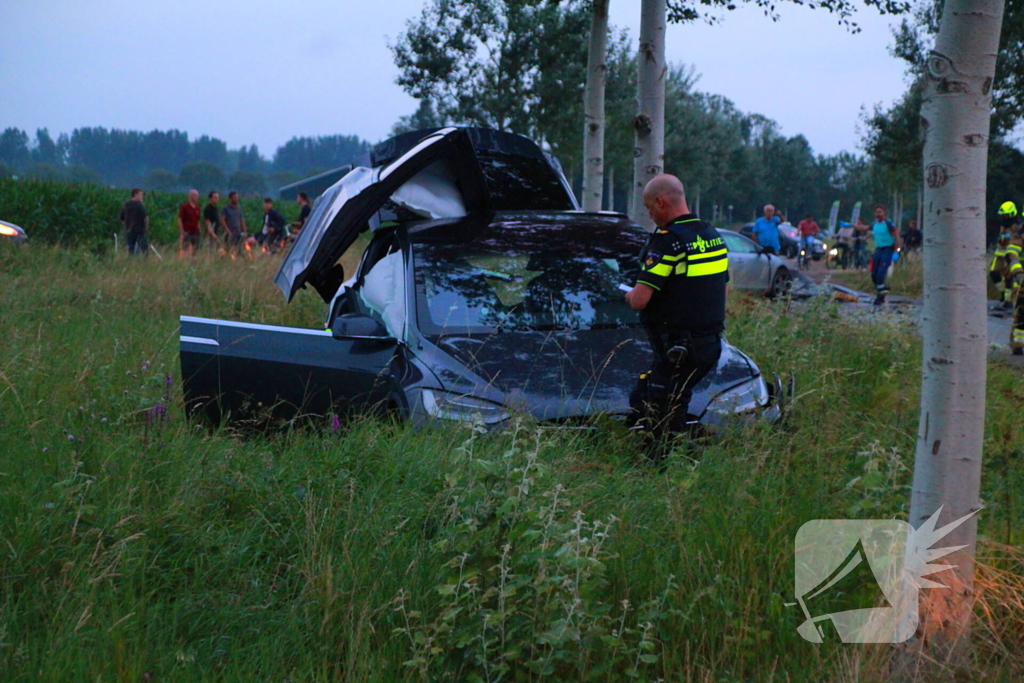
(1008, 209)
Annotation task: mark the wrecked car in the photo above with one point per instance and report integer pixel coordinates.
(483, 292)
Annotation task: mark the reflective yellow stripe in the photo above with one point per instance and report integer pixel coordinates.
(641, 282)
(681, 269)
(1014, 248)
(661, 270)
(709, 255)
(709, 268)
(1015, 267)
(669, 257)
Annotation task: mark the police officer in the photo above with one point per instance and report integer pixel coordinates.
(680, 294)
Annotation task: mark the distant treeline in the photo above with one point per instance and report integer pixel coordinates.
(168, 160)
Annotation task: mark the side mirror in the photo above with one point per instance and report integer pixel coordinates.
(358, 326)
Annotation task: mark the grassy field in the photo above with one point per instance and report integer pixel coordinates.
(135, 545)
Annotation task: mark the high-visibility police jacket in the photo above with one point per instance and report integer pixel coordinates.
(687, 264)
(1013, 258)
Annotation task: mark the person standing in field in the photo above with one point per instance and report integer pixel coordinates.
(136, 223)
(212, 218)
(680, 294)
(188, 224)
(887, 241)
(766, 230)
(234, 222)
(303, 200)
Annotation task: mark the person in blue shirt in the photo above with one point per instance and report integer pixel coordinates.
(766, 230)
(887, 242)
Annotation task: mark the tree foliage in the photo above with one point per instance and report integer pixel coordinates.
(300, 155)
(201, 175)
(516, 65)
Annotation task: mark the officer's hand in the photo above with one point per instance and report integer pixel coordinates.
(639, 296)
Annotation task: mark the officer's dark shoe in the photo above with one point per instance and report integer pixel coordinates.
(879, 299)
(1018, 352)
(1006, 305)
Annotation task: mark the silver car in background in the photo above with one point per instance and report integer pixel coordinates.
(751, 269)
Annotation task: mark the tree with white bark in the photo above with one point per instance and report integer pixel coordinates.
(649, 124)
(955, 118)
(593, 108)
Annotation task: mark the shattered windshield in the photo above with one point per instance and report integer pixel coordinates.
(523, 285)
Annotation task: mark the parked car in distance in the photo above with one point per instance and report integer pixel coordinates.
(11, 232)
(789, 241)
(483, 292)
(751, 269)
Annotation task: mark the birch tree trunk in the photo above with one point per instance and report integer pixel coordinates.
(611, 188)
(649, 124)
(593, 109)
(947, 465)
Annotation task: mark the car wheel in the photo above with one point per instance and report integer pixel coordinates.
(782, 283)
(791, 251)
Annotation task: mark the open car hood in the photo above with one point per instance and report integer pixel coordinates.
(446, 173)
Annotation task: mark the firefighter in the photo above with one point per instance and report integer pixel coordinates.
(999, 270)
(680, 294)
(1015, 271)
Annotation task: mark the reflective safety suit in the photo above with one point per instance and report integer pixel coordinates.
(999, 270)
(1015, 269)
(686, 265)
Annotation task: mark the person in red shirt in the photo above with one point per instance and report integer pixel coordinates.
(808, 229)
(188, 224)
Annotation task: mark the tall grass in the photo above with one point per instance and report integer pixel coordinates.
(85, 214)
(135, 545)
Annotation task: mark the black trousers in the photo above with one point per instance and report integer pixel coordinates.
(661, 399)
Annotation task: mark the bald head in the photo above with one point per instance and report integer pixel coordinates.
(665, 199)
(193, 196)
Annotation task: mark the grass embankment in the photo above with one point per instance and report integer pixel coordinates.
(84, 214)
(906, 277)
(138, 546)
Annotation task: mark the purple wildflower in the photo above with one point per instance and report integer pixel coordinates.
(168, 382)
(335, 423)
(157, 413)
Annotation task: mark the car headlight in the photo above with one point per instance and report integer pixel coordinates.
(744, 398)
(824, 245)
(445, 405)
(11, 232)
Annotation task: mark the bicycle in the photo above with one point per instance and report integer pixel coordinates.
(838, 256)
(803, 259)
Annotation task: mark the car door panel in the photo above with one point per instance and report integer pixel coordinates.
(282, 371)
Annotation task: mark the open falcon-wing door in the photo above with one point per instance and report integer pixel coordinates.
(344, 211)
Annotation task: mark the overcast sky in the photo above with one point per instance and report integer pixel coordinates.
(257, 71)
